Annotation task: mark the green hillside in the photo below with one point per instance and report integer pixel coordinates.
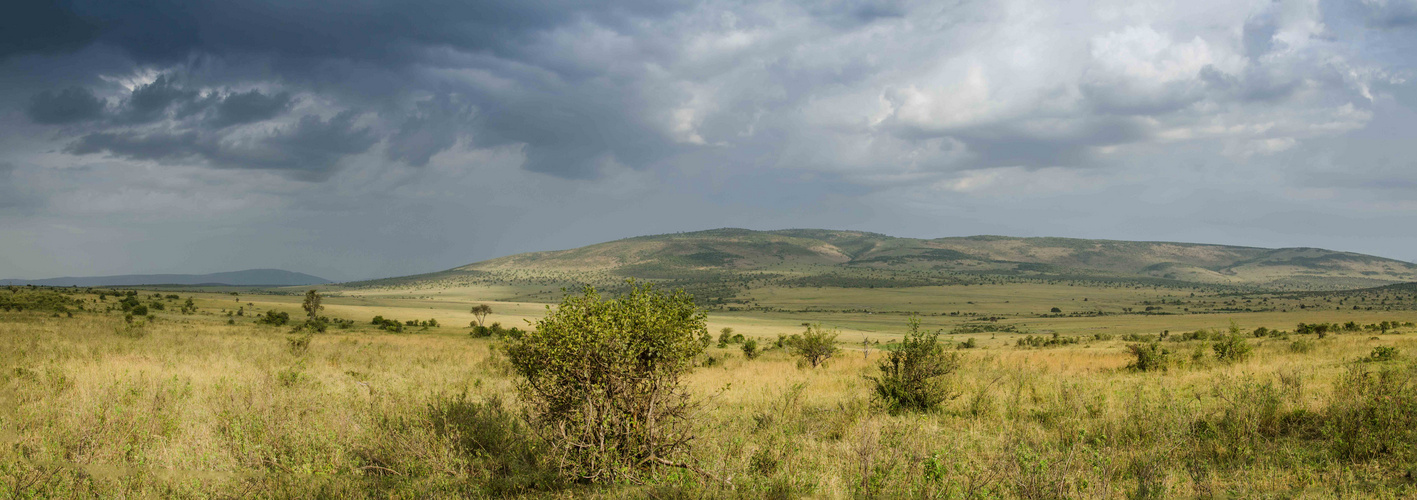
(815, 251)
(721, 266)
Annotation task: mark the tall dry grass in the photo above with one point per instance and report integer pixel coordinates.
(191, 407)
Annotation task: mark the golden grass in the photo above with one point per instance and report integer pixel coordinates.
(199, 408)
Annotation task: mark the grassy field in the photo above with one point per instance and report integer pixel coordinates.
(215, 405)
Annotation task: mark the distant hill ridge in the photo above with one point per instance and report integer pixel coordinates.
(249, 277)
(748, 250)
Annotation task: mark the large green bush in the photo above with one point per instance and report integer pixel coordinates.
(912, 374)
(600, 378)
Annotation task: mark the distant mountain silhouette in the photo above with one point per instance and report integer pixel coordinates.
(249, 277)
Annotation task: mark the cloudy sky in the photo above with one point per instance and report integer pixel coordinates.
(359, 139)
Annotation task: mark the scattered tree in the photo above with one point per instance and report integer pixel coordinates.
(312, 305)
(480, 312)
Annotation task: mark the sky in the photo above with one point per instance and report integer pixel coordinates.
(377, 138)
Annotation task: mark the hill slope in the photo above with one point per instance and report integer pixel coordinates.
(722, 263)
(249, 277)
(800, 249)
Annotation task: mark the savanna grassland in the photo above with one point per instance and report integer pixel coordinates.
(209, 402)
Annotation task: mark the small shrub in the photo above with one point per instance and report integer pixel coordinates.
(291, 375)
(815, 346)
(725, 337)
(298, 344)
(968, 343)
(1232, 348)
(764, 462)
(132, 329)
(493, 438)
(1372, 413)
(1301, 346)
(1383, 353)
(1149, 357)
(750, 349)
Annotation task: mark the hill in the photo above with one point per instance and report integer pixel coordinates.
(250, 277)
(721, 264)
(744, 250)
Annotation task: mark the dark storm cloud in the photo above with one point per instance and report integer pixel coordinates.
(249, 107)
(582, 87)
(171, 30)
(167, 121)
(151, 102)
(433, 127)
(572, 139)
(135, 146)
(44, 27)
(69, 105)
(309, 149)
(305, 41)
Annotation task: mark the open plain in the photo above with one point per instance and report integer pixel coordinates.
(210, 402)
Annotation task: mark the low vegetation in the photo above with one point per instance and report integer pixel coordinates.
(628, 395)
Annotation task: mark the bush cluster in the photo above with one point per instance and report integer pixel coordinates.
(1053, 341)
(274, 318)
(495, 331)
